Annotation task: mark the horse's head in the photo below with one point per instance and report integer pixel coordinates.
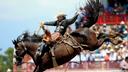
(21, 43)
(20, 51)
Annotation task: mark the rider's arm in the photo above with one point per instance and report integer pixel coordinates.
(52, 23)
(72, 20)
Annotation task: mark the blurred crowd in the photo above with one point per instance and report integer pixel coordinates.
(116, 7)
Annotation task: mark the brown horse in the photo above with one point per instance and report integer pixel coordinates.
(61, 52)
(64, 50)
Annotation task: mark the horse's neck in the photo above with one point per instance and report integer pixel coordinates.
(31, 48)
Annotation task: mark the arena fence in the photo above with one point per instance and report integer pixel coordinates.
(85, 66)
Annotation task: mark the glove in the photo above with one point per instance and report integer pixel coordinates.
(42, 24)
(78, 12)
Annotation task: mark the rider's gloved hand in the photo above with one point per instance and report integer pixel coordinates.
(42, 24)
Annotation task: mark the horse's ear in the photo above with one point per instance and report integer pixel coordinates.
(14, 42)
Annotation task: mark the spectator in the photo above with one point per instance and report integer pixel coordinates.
(105, 29)
(126, 7)
(122, 29)
(113, 55)
(119, 56)
(124, 64)
(92, 57)
(107, 57)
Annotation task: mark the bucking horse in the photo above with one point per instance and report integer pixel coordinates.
(62, 51)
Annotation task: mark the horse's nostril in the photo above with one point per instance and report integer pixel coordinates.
(18, 63)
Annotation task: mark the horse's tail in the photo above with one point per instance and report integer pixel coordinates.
(93, 9)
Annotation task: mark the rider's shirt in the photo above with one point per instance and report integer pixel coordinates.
(58, 28)
(62, 26)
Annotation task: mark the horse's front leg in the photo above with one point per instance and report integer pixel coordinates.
(36, 69)
(39, 68)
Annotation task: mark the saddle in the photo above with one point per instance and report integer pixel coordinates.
(49, 38)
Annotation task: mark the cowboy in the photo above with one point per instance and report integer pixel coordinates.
(61, 25)
(124, 64)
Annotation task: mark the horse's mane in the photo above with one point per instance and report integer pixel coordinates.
(26, 36)
(33, 38)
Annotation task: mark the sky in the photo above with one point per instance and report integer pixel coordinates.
(18, 16)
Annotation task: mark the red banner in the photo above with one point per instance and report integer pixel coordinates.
(112, 19)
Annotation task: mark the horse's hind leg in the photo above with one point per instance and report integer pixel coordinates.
(101, 39)
(99, 42)
(115, 41)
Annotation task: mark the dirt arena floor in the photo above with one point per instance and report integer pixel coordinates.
(84, 70)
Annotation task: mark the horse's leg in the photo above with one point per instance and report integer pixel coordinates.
(111, 38)
(36, 68)
(99, 42)
(115, 41)
(40, 68)
(101, 39)
(97, 45)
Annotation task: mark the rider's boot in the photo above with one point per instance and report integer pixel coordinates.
(43, 48)
(40, 50)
